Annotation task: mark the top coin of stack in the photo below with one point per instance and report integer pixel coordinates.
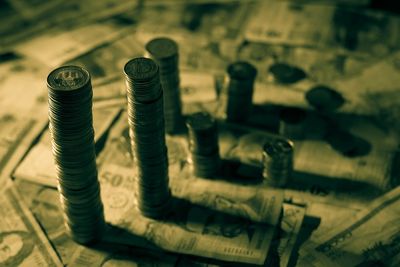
(277, 161)
(71, 128)
(165, 52)
(146, 130)
(240, 90)
(203, 144)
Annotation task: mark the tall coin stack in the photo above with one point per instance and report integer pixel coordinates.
(240, 91)
(71, 128)
(203, 144)
(277, 161)
(165, 52)
(146, 129)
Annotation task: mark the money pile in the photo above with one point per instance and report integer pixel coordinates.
(165, 52)
(277, 159)
(203, 144)
(70, 115)
(146, 130)
(240, 90)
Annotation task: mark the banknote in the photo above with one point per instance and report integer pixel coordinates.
(318, 25)
(38, 165)
(23, 19)
(23, 112)
(22, 241)
(16, 137)
(16, 74)
(206, 212)
(290, 226)
(319, 65)
(28, 10)
(218, 20)
(196, 87)
(371, 238)
(188, 229)
(253, 202)
(45, 205)
(107, 61)
(112, 255)
(63, 45)
(316, 158)
(285, 242)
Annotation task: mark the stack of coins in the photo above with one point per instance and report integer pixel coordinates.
(203, 144)
(291, 123)
(71, 128)
(240, 91)
(165, 52)
(277, 161)
(147, 133)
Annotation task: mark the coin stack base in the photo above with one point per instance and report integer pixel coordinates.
(203, 145)
(278, 162)
(147, 134)
(71, 128)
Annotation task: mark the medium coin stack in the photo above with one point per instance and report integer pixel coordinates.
(291, 124)
(277, 161)
(203, 144)
(240, 91)
(71, 127)
(147, 133)
(165, 52)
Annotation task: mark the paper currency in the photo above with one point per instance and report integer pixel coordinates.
(45, 205)
(292, 220)
(22, 241)
(16, 75)
(204, 211)
(38, 166)
(218, 20)
(320, 66)
(29, 10)
(368, 239)
(256, 203)
(247, 148)
(62, 46)
(317, 25)
(189, 229)
(23, 112)
(286, 242)
(106, 62)
(110, 255)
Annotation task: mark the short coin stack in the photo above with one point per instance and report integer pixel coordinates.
(71, 128)
(240, 90)
(146, 129)
(203, 144)
(277, 161)
(165, 52)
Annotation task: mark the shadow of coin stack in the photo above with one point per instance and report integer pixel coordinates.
(277, 159)
(240, 91)
(147, 133)
(164, 52)
(203, 144)
(71, 127)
